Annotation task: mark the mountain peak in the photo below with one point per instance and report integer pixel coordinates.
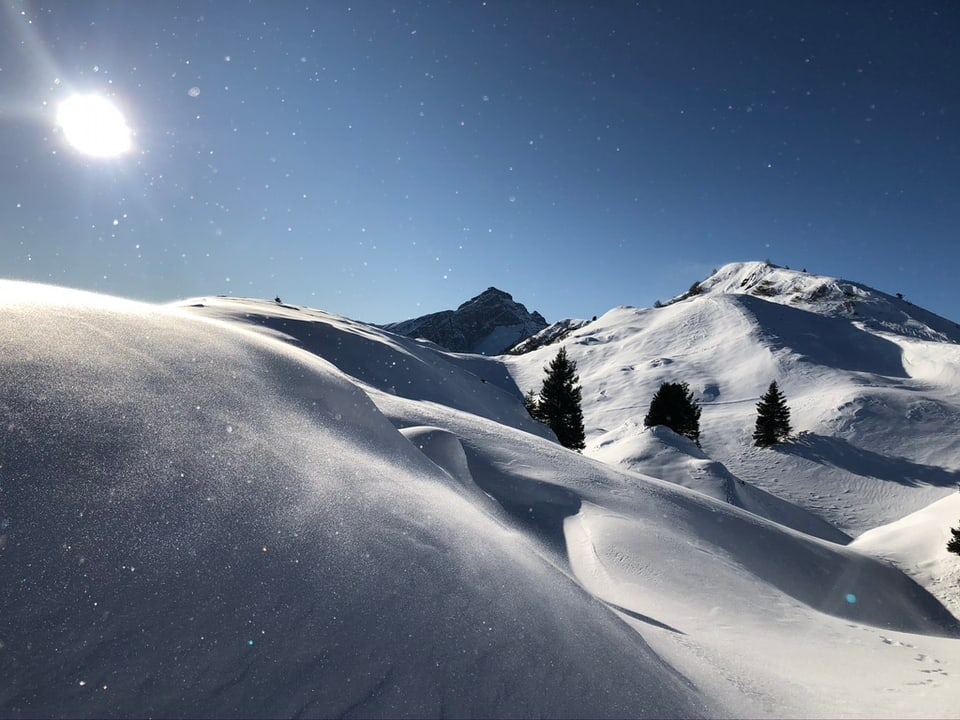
(762, 278)
(825, 295)
(488, 324)
(491, 294)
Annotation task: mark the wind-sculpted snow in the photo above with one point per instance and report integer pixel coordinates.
(663, 454)
(758, 615)
(201, 521)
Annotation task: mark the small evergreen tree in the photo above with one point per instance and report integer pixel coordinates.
(773, 418)
(559, 403)
(953, 544)
(673, 406)
(532, 403)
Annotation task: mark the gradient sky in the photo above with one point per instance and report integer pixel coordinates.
(382, 160)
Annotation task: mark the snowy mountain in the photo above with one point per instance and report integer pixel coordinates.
(232, 507)
(488, 324)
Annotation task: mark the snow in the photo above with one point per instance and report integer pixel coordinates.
(502, 337)
(917, 544)
(232, 507)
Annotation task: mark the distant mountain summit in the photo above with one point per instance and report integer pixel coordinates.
(488, 324)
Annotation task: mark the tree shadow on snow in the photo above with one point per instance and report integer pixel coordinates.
(839, 453)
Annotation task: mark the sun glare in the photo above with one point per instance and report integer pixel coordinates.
(94, 126)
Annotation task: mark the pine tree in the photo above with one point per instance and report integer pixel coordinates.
(673, 406)
(559, 403)
(773, 418)
(953, 544)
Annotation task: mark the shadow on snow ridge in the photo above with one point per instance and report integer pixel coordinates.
(540, 506)
(824, 340)
(644, 618)
(838, 453)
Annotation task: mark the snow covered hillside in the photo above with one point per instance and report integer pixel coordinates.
(238, 508)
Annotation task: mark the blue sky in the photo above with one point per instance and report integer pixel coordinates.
(386, 159)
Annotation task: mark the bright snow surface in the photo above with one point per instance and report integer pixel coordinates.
(240, 508)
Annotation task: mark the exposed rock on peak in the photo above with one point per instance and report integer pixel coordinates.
(828, 296)
(548, 336)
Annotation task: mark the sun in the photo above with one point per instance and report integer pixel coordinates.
(94, 126)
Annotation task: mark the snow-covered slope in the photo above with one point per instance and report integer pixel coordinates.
(239, 508)
(663, 454)
(871, 381)
(918, 544)
(414, 369)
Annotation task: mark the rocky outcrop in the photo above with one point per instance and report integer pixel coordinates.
(548, 336)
